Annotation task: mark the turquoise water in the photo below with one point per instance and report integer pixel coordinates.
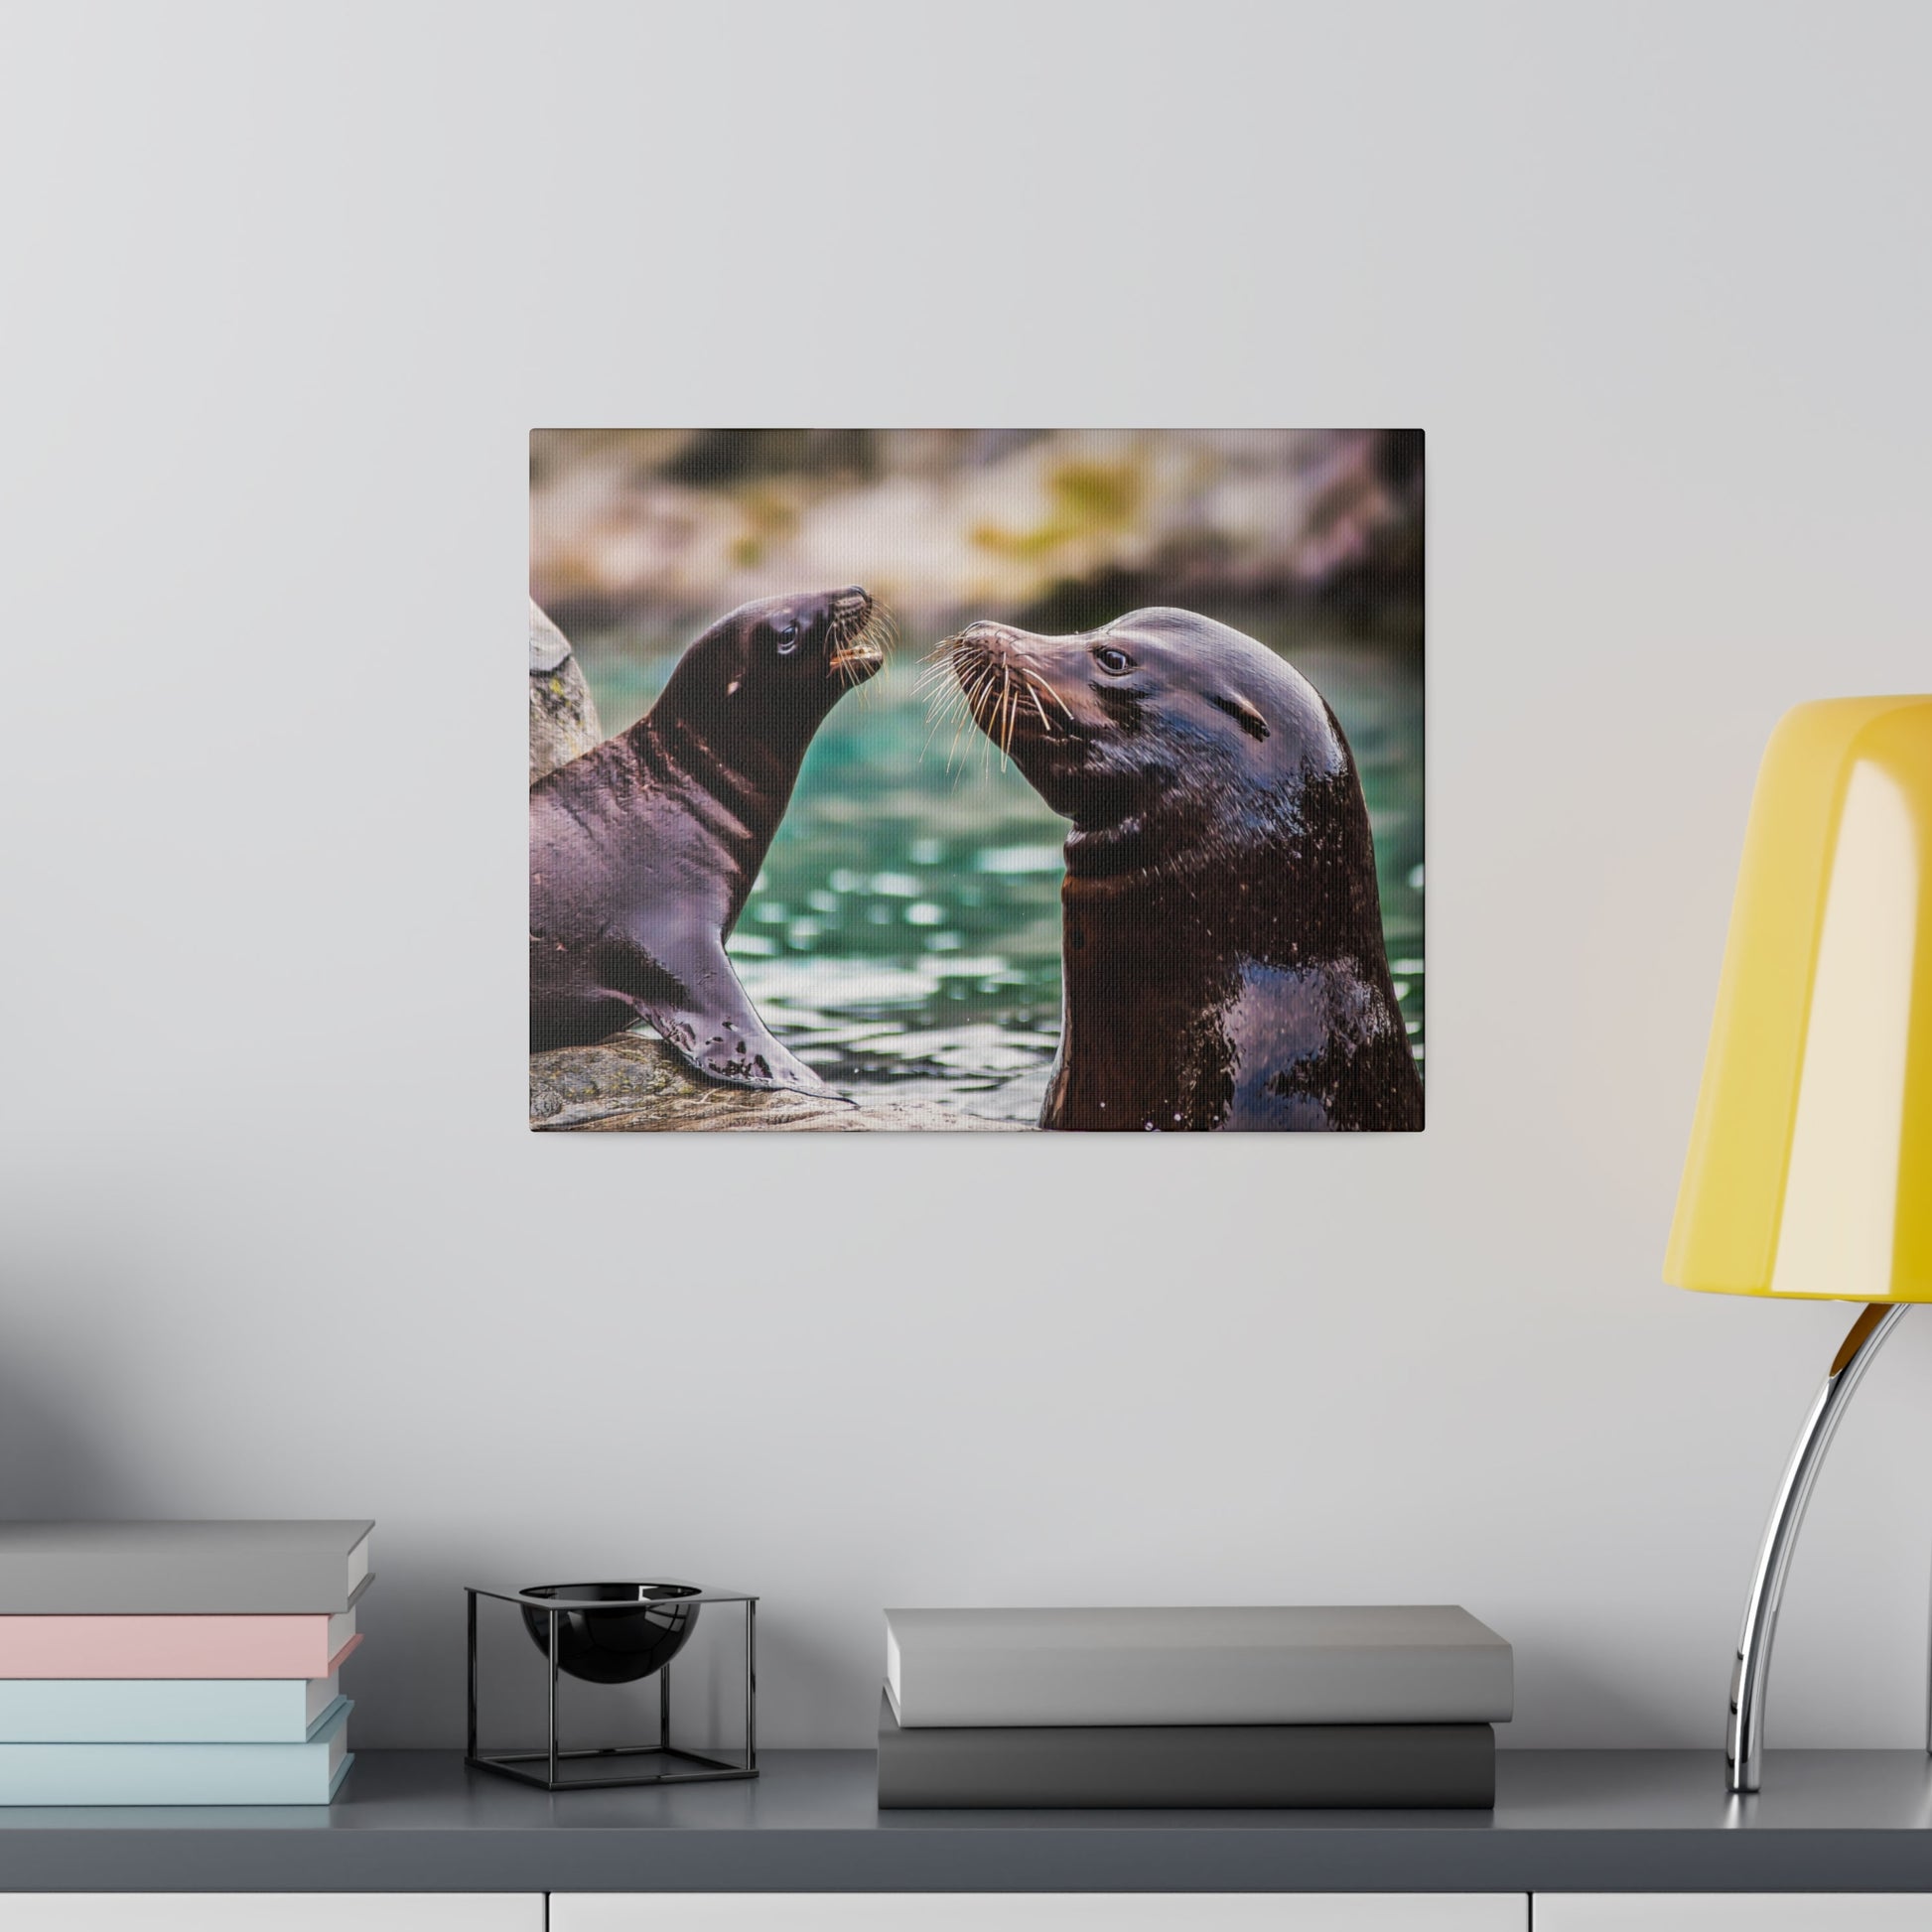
(905, 933)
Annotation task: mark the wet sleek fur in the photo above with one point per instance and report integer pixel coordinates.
(643, 851)
(1222, 933)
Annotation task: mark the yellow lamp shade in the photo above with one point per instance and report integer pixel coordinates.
(1810, 1169)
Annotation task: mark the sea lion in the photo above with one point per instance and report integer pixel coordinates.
(644, 850)
(1221, 942)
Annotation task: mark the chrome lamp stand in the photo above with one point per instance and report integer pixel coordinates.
(1750, 1674)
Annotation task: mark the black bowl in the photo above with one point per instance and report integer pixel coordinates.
(644, 1629)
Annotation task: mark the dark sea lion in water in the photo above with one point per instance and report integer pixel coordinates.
(1223, 962)
(644, 850)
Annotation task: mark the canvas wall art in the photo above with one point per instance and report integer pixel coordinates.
(976, 779)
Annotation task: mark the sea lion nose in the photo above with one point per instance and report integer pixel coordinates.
(850, 600)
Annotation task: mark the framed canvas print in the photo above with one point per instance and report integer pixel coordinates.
(976, 779)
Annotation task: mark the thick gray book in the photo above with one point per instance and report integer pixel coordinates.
(1186, 1767)
(1362, 1664)
(232, 1568)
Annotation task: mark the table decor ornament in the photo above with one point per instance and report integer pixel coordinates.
(609, 1633)
(649, 1626)
(1809, 1173)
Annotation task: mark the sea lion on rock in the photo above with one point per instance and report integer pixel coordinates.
(644, 850)
(1221, 945)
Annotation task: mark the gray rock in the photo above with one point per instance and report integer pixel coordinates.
(563, 716)
(633, 1083)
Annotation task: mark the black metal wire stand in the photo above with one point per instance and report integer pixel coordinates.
(595, 1769)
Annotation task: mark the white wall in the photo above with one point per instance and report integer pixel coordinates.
(286, 290)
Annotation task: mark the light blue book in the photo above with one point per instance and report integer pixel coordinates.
(164, 1709)
(308, 1773)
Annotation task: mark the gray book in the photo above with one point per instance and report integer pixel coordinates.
(1186, 1767)
(233, 1568)
(1401, 1663)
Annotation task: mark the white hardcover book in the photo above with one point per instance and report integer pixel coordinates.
(1430, 1663)
(213, 1568)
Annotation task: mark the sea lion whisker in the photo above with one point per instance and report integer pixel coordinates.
(953, 691)
(938, 701)
(968, 716)
(956, 697)
(953, 749)
(996, 697)
(981, 701)
(972, 676)
(956, 659)
(855, 674)
(960, 713)
(1009, 703)
(992, 701)
(936, 718)
(880, 632)
(939, 710)
(944, 666)
(971, 714)
(933, 692)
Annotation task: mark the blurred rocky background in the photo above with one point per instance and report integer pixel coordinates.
(1058, 526)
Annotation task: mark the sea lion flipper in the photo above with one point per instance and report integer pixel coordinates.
(717, 1028)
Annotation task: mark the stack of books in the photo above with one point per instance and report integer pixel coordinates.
(177, 1663)
(1369, 1707)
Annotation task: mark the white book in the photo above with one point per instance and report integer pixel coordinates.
(1430, 1663)
(211, 1569)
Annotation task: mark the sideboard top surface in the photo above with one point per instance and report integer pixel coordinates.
(1564, 1820)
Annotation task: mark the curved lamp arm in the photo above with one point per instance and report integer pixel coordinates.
(1744, 1735)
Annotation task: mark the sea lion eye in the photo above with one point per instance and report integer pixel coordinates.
(788, 636)
(1116, 663)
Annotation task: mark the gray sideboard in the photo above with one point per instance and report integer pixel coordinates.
(1566, 1821)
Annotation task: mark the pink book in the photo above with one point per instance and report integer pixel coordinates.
(174, 1646)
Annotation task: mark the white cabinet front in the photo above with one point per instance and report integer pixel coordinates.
(1690, 1911)
(1037, 1912)
(240, 1911)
